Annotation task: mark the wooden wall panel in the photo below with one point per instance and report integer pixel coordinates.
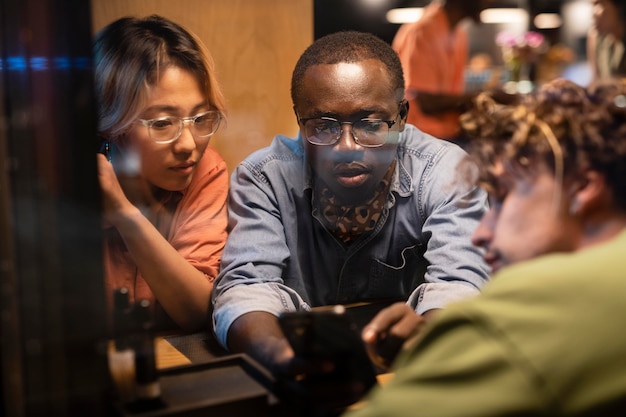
(255, 44)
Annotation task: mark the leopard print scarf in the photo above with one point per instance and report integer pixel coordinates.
(349, 222)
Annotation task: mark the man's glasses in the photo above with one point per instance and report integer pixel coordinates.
(370, 133)
(169, 128)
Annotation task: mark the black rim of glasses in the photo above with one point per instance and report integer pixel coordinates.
(150, 123)
(358, 141)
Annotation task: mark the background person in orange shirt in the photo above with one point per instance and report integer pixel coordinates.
(164, 188)
(434, 53)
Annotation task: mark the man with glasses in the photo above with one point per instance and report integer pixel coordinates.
(351, 210)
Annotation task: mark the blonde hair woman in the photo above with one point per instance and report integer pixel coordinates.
(164, 188)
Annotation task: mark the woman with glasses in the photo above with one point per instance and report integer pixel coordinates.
(164, 188)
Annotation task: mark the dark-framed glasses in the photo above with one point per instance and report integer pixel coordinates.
(370, 133)
(169, 128)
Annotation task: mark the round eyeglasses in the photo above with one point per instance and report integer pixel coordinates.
(370, 133)
(169, 128)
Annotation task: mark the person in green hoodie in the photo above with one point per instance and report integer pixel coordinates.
(544, 338)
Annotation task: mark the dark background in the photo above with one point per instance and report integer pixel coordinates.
(370, 16)
(334, 15)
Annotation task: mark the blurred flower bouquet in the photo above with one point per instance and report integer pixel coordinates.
(519, 51)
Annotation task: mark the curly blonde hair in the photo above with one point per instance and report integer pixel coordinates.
(563, 126)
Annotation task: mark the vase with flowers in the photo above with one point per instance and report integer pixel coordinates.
(520, 51)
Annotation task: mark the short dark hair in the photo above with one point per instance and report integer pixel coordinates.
(348, 46)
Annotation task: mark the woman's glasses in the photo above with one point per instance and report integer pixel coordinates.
(169, 128)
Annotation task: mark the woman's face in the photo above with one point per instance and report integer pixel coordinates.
(168, 166)
(528, 217)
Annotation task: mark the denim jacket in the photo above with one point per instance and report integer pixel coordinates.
(279, 257)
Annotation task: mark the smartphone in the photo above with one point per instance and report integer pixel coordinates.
(330, 334)
(104, 148)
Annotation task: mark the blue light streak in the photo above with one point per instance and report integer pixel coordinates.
(40, 63)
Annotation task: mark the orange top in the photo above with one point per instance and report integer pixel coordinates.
(194, 222)
(433, 57)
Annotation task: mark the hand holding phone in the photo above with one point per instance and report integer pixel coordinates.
(329, 335)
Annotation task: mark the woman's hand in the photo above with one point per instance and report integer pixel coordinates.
(116, 205)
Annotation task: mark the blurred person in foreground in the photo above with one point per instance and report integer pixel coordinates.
(164, 188)
(544, 336)
(349, 211)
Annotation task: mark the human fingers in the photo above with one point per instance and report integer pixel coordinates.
(387, 332)
(385, 321)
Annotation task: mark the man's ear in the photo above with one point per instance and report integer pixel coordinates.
(403, 111)
(591, 191)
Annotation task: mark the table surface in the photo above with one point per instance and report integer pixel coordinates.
(186, 358)
(167, 356)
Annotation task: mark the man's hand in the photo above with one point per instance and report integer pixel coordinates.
(501, 96)
(385, 335)
(307, 383)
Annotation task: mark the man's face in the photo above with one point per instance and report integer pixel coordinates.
(605, 16)
(350, 92)
(528, 217)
